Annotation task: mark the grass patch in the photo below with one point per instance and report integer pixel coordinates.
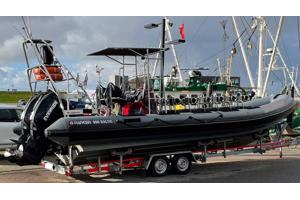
(13, 97)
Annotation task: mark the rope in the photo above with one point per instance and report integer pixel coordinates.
(276, 76)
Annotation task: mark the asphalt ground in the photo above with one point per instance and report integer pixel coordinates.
(246, 168)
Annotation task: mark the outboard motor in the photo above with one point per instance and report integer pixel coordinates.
(42, 111)
(24, 129)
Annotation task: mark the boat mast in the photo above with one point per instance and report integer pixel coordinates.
(220, 69)
(243, 53)
(262, 30)
(286, 69)
(229, 67)
(273, 54)
(173, 48)
(169, 39)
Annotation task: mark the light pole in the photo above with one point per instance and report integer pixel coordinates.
(162, 55)
(162, 61)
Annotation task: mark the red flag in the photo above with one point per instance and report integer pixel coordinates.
(181, 31)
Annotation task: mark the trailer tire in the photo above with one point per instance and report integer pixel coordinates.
(159, 166)
(181, 164)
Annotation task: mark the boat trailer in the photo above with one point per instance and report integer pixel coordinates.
(144, 163)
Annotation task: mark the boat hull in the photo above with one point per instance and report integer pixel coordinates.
(100, 135)
(94, 136)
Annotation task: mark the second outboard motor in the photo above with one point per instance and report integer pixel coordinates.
(41, 112)
(23, 130)
(48, 58)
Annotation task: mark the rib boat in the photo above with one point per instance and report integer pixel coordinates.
(76, 129)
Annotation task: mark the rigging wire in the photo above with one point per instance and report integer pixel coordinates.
(219, 52)
(196, 31)
(243, 19)
(25, 27)
(239, 37)
(29, 26)
(278, 78)
(19, 32)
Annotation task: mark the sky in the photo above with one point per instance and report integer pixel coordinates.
(74, 37)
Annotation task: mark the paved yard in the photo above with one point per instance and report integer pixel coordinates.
(243, 168)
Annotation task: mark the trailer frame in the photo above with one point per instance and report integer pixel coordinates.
(143, 162)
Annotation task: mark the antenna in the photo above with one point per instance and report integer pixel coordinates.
(29, 26)
(220, 69)
(25, 28)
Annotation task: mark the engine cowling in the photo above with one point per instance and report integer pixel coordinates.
(42, 111)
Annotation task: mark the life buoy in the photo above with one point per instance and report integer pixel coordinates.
(55, 77)
(51, 70)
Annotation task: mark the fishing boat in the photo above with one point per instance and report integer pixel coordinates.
(134, 121)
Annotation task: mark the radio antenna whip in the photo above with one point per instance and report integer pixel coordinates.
(26, 30)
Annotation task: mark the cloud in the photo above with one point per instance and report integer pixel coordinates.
(12, 78)
(5, 69)
(79, 43)
(11, 50)
(74, 37)
(89, 66)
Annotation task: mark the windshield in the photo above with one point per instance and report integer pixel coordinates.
(10, 115)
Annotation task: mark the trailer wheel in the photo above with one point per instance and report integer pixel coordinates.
(181, 164)
(159, 166)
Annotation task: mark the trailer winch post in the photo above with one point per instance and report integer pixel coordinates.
(279, 129)
(204, 154)
(99, 164)
(260, 145)
(224, 151)
(121, 164)
(121, 155)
